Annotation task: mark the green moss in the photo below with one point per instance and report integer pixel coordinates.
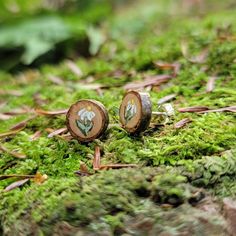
(201, 154)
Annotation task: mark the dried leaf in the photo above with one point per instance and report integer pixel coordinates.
(39, 178)
(166, 99)
(22, 124)
(97, 158)
(11, 132)
(200, 59)
(117, 166)
(14, 154)
(74, 68)
(16, 185)
(149, 81)
(182, 123)
(224, 109)
(210, 84)
(51, 113)
(58, 131)
(56, 80)
(193, 109)
(36, 135)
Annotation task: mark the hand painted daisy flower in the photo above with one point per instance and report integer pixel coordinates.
(85, 124)
(86, 114)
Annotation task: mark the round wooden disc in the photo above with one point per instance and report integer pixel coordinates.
(135, 111)
(87, 120)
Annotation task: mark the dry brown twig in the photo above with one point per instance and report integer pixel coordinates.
(12, 153)
(36, 135)
(148, 81)
(166, 99)
(193, 109)
(11, 132)
(182, 123)
(203, 109)
(50, 113)
(57, 132)
(211, 84)
(37, 178)
(74, 68)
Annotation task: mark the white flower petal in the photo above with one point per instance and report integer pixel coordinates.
(84, 115)
(81, 112)
(91, 115)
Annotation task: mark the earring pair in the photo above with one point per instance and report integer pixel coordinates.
(88, 119)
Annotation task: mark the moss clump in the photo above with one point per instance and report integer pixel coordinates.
(107, 201)
(184, 165)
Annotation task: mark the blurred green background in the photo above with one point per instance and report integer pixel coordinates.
(46, 31)
(32, 32)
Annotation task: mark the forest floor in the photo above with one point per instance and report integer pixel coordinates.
(184, 182)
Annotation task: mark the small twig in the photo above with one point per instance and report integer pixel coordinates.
(36, 135)
(148, 81)
(57, 132)
(211, 84)
(193, 109)
(74, 68)
(16, 176)
(224, 109)
(16, 184)
(11, 132)
(56, 79)
(182, 123)
(38, 178)
(23, 123)
(14, 154)
(166, 99)
(51, 113)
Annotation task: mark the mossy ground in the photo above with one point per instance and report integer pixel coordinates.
(174, 163)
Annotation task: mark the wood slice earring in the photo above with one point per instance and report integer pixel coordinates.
(87, 120)
(136, 111)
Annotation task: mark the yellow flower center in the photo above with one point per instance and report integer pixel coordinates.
(89, 108)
